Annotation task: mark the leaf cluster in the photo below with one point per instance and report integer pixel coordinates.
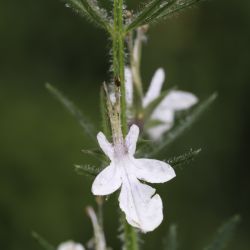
(154, 11)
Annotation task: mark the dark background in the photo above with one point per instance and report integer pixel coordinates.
(203, 50)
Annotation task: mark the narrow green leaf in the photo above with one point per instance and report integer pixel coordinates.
(159, 9)
(186, 123)
(142, 16)
(42, 242)
(184, 158)
(88, 128)
(224, 234)
(87, 170)
(91, 11)
(170, 242)
(97, 153)
(178, 6)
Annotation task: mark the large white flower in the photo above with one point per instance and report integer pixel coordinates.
(175, 100)
(143, 208)
(70, 245)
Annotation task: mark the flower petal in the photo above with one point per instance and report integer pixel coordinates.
(108, 181)
(175, 100)
(105, 145)
(128, 86)
(153, 171)
(143, 209)
(155, 87)
(178, 100)
(131, 139)
(70, 245)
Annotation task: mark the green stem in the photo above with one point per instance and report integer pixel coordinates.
(118, 38)
(118, 59)
(130, 236)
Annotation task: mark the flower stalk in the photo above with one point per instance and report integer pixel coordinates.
(118, 59)
(118, 37)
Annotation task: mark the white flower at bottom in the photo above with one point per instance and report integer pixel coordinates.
(143, 208)
(70, 245)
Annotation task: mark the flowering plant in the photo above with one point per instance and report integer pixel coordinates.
(127, 114)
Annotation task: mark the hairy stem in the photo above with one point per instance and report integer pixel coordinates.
(118, 38)
(118, 59)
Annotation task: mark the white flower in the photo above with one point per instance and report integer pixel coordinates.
(143, 208)
(175, 100)
(70, 245)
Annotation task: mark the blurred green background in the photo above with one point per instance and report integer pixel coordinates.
(203, 50)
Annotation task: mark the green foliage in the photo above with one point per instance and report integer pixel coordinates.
(184, 158)
(88, 127)
(91, 11)
(87, 170)
(170, 243)
(42, 242)
(141, 18)
(183, 125)
(157, 10)
(224, 234)
(96, 153)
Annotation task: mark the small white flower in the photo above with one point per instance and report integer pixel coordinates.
(175, 100)
(70, 245)
(143, 208)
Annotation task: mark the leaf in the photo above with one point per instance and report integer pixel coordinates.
(142, 16)
(159, 9)
(88, 128)
(91, 11)
(178, 6)
(186, 123)
(224, 234)
(184, 158)
(87, 170)
(97, 153)
(42, 242)
(171, 241)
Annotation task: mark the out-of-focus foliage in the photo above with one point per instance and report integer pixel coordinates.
(205, 49)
